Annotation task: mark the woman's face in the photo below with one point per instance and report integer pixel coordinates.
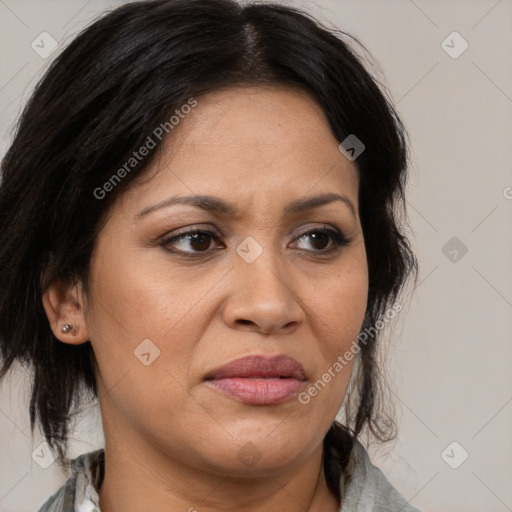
(166, 310)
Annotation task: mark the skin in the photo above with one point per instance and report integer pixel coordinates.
(172, 442)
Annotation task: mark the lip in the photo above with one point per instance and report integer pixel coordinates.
(258, 379)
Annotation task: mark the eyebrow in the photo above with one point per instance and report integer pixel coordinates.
(219, 206)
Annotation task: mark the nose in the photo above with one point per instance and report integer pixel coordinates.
(263, 296)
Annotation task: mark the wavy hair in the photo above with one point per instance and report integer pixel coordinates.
(98, 101)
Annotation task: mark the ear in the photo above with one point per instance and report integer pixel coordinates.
(64, 304)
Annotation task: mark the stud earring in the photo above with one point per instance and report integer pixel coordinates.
(66, 328)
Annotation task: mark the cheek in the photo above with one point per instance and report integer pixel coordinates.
(336, 321)
(134, 318)
(133, 300)
(130, 297)
(342, 302)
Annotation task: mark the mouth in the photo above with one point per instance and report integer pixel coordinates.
(259, 380)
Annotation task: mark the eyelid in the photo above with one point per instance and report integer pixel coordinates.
(218, 232)
(338, 238)
(321, 226)
(192, 229)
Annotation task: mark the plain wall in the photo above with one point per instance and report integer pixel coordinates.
(450, 354)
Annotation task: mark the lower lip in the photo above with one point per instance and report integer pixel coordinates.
(258, 391)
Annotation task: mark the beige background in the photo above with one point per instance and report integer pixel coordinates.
(450, 354)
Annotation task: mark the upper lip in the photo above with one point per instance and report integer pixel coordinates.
(260, 366)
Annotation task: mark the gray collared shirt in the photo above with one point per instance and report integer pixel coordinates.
(363, 486)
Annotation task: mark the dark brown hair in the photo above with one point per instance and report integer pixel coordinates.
(99, 100)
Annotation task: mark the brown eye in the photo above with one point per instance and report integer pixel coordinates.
(320, 240)
(199, 241)
(194, 241)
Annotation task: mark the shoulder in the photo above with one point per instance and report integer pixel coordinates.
(61, 500)
(87, 471)
(366, 488)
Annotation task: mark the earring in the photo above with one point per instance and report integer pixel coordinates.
(66, 328)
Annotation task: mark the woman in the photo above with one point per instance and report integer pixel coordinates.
(199, 226)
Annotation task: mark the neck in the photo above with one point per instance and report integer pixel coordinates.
(145, 478)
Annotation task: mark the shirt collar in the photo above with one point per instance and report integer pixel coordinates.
(89, 470)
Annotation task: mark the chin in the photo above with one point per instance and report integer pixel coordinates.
(259, 453)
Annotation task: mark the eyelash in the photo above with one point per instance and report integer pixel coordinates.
(339, 240)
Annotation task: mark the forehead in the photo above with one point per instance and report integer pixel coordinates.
(256, 117)
(248, 142)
